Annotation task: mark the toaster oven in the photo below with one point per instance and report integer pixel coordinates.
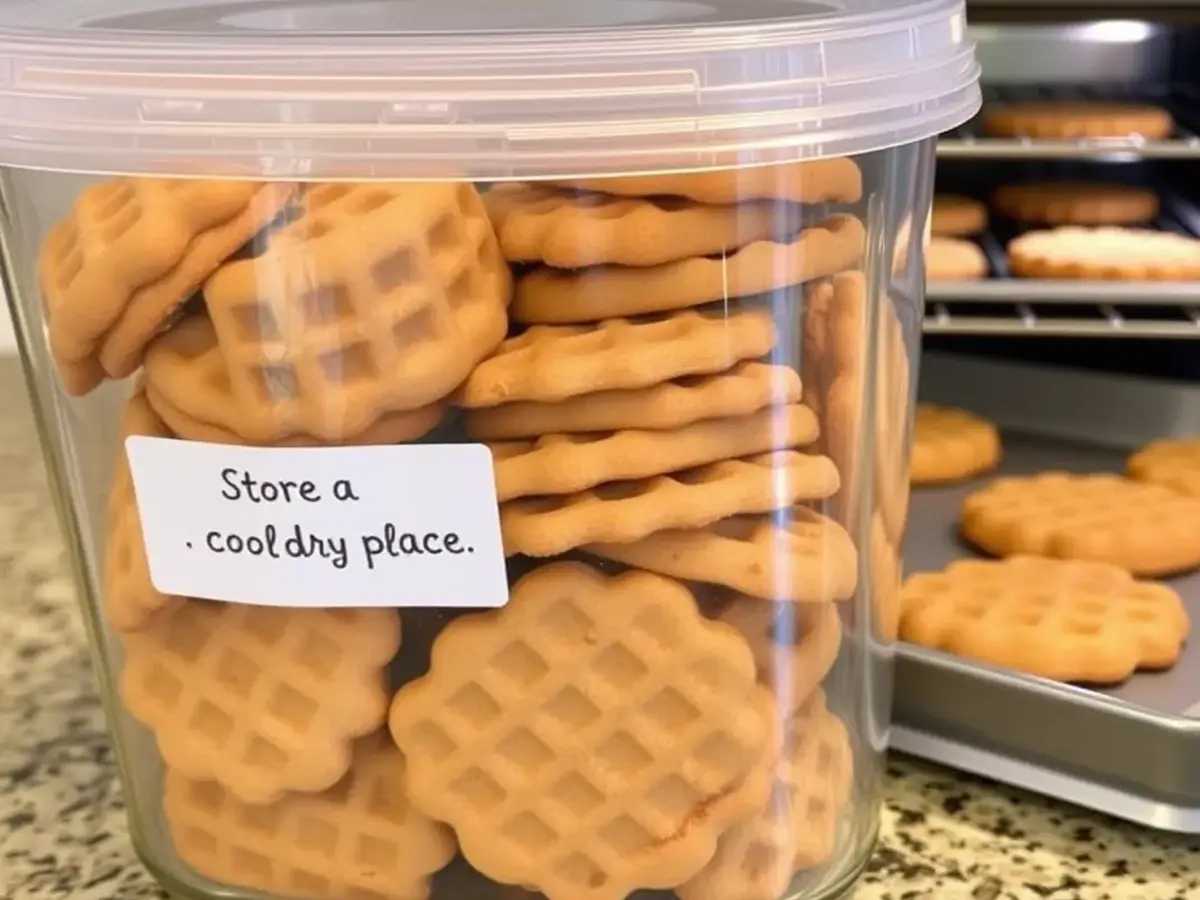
(1076, 374)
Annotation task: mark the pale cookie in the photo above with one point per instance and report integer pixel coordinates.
(1105, 254)
(1076, 203)
(187, 383)
(556, 362)
(956, 216)
(1067, 620)
(573, 230)
(951, 445)
(552, 296)
(821, 181)
(131, 601)
(130, 254)
(1144, 528)
(379, 297)
(262, 700)
(744, 389)
(625, 511)
(795, 555)
(1075, 119)
(797, 828)
(1173, 463)
(594, 737)
(794, 645)
(566, 463)
(361, 838)
(955, 259)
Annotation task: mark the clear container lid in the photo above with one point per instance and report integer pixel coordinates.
(485, 89)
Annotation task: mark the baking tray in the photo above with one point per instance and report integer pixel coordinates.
(1132, 751)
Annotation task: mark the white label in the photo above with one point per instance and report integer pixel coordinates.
(410, 525)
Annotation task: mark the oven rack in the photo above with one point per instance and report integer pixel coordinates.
(1183, 101)
(1003, 305)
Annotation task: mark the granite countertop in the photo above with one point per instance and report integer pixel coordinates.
(62, 826)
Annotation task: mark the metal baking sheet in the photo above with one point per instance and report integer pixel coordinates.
(1131, 750)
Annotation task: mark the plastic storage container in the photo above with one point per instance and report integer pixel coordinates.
(482, 427)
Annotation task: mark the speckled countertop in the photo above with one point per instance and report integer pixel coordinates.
(62, 828)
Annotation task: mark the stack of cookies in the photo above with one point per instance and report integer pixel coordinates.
(617, 345)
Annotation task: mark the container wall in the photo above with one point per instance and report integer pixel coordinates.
(696, 392)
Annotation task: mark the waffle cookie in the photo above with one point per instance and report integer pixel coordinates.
(1173, 463)
(885, 568)
(1145, 529)
(1076, 203)
(797, 827)
(819, 181)
(794, 645)
(951, 445)
(576, 229)
(261, 700)
(956, 216)
(796, 555)
(893, 400)
(129, 255)
(549, 363)
(564, 464)
(377, 298)
(131, 601)
(1066, 620)
(746, 388)
(626, 511)
(555, 297)
(954, 259)
(594, 737)
(187, 383)
(1074, 119)
(361, 838)
(1105, 254)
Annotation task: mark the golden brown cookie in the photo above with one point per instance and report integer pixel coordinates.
(957, 216)
(263, 700)
(885, 569)
(1173, 463)
(1062, 619)
(1074, 119)
(1076, 203)
(361, 838)
(554, 296)
(129, 255)
(893, 399)
(951, 445)
(625, 511)
(576, 229)
(378, 297)
(1105, 254)
(744, 389)
(548, 363)
(594, 737)
(1143, 528)
(955, 259)
(187, 384)
(566, 463)
(797, 828)
(819, 181)
(795, 555)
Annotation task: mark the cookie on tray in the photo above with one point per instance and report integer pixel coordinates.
(1076, 203)
(955, 259)
(554, 296)
(594, 737)
(1145, 529)
(375, 298)
(957, 216)
(129, 255)
(361, 838)
(1075, 119)
(951, 445)
(1172, 462)
(1062, 619)
(1105, 254)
